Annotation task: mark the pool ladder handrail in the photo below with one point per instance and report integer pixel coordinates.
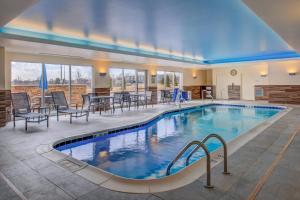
(213, 135)
(201, 144)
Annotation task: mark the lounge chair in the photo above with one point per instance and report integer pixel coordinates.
(21, 108)
(62, 106)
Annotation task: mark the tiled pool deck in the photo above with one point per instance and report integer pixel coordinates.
(24, 174)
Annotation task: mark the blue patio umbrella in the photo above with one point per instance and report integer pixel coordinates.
(43, 84)
(43, 79)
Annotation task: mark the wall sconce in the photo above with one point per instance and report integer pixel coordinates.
(263, 75)
(194, 76)
(102, 74)
(292, 73)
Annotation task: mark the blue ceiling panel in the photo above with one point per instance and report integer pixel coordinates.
(217, 30)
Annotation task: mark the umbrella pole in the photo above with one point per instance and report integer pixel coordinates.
(43, 87)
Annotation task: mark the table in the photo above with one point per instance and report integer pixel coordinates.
(100, 99)
(41, 105)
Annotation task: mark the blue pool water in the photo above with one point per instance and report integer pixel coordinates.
(145, 152)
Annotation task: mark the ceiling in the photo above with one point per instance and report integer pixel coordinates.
(283, 16)
(194, 31)
(10, 9)
(19, 46)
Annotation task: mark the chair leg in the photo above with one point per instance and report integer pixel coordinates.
(87, 116)
(14, 118)
(47, 121)
(70, 118)
(57, 116)
(26, 124)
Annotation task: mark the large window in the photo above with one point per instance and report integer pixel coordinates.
(130, 80)
(72, 80)
(58, 79)
(116, 76)
(25, 77)
(81, 82)
(168, 81)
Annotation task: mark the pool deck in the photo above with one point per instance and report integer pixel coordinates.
(267, 167)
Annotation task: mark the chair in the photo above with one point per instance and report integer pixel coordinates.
(127, 99)
(121, 98)
(62, 106)
(146, 98)
(21, 108)
(118, 99)
(149, 98)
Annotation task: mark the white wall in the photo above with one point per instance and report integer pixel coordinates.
(247, 76)
(278, 73)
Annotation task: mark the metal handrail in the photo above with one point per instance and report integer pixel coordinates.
(199, 145)
(212, 98)
(224, 148)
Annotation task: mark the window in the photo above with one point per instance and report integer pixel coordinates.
(141, 77)
(58, 79)
(130, 80)
(116, 76)
(168, 81)
(26, 78)
(160, 80)
(81, 82)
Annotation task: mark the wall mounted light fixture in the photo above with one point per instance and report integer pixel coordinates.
(292, 73)
(194, 76)
(263, 75)
(102, 74)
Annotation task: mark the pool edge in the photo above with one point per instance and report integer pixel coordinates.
(184, 177)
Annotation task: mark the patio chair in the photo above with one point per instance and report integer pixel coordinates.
(118, 98)
(62, 106)
(149, 98)
(127, 99)
(21, 108)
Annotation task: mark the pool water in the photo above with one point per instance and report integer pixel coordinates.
(145, 152)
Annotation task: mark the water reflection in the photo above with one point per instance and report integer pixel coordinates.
(145, 152)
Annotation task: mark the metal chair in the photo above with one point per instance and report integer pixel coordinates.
(62, 106)
(21, 108)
